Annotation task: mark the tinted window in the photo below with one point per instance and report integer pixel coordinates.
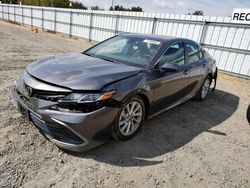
(194, 53)
(174, 54)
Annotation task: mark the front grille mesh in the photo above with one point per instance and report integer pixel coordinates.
(49, 95)
(25, 100)
(56, 131)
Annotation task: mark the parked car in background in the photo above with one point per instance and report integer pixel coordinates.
(79, 100)
(248, 114)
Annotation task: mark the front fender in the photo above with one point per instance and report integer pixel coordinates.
(128, 87)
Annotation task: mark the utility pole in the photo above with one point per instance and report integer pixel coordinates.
(113, 4)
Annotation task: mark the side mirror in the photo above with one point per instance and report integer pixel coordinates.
(169, 67)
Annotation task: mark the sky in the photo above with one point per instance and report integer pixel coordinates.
(209, 7)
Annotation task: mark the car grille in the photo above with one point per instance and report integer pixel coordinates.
(53, 130)
(56, 131)
(49, 95)
(25, 100)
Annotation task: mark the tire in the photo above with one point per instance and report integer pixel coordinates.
(204, 89)
(248, 114)
(127, 124)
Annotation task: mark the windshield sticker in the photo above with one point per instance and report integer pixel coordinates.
(152, 41)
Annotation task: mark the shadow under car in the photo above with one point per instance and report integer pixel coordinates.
(168, 131)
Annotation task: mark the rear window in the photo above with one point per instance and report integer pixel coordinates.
(194, 52)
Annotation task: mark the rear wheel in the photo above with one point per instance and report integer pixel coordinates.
(204, 89)
(129, 119)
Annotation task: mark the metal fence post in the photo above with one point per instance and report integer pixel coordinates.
(203, 32)
(2, 12)
(70, 24)
(55, 21)
(15, 13)
(31, 17)
(154, 25)
(22, 16)
(117, 24)
(91, 26)
(42, 19)
(8, 12)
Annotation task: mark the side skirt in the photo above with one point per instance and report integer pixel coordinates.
(171, 106)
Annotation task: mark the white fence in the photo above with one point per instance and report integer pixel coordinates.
(227, 42)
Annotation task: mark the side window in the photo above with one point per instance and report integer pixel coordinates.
(194, 52)
(174, 54)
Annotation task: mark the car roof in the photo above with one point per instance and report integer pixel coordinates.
(162, 38)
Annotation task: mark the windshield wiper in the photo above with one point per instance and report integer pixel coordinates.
(104, 58)
(100, 57)
(85, 53)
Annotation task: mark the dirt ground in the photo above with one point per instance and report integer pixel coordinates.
(197, 144)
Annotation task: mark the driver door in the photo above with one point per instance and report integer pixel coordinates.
(169, 86)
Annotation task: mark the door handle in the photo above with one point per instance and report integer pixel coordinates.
(185, 72)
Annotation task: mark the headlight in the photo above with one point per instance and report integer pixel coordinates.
(87, 97)
(86, 102)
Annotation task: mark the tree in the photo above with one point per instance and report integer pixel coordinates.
(136, 9)
(60, 3)
(49, 3)
(198, 13)
(96, 8)
(10, 1)
(121, 8)
(78, 5)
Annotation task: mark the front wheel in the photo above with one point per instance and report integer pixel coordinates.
(129, 119)
(203, 91)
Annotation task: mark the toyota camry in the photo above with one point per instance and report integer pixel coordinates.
(78, 101)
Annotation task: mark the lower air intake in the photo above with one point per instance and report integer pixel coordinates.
(56, 131)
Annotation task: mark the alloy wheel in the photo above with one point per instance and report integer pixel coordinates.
(130, 118)
(205, 88)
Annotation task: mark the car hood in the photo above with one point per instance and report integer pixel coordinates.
(79, 71)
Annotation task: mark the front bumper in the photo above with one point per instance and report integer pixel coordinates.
(68, 130)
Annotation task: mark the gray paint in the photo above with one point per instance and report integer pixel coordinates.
(79, 71)
(161, 90)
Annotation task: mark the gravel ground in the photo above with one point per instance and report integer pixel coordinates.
(197, 144)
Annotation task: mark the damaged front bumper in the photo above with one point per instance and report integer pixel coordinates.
(68, 130)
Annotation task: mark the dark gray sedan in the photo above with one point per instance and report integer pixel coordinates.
(79, 100)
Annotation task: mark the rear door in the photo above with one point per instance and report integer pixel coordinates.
(196, 64)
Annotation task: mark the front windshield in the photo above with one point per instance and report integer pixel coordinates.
(137, 51)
